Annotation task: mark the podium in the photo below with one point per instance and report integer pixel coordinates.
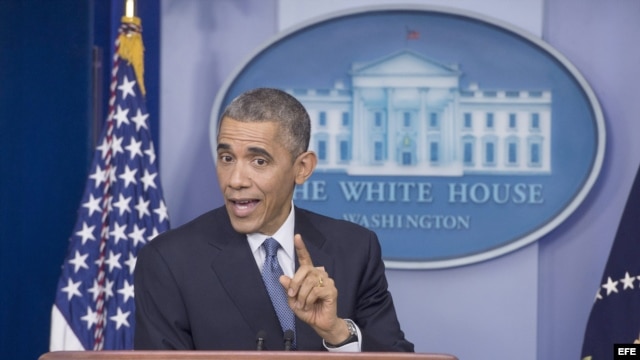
(236, 355)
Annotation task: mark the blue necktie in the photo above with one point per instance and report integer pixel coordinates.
(271, 272)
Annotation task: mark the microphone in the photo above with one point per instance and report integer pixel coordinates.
(288, 339)
(260, 339)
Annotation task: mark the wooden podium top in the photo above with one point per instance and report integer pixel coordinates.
(236, 355)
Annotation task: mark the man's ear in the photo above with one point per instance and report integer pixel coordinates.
(305, 164)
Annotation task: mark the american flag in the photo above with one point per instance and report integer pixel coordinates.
(615, 314)
(412, 34)
(121, 210)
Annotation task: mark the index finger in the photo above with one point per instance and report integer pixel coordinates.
(301, 251)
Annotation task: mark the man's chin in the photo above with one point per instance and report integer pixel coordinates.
(243, 226)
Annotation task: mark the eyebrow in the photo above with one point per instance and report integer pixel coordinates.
(252, 150)
(223, 147)
(260, 151)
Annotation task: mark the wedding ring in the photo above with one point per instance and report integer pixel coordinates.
(320, 283)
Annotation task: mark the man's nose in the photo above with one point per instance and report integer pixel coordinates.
(239, 176)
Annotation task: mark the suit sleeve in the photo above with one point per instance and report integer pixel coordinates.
(161, 318)
(375, 313)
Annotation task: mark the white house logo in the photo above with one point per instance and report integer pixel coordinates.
(408, 115)
(454, 137)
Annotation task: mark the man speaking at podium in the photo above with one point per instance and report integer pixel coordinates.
(260, 273)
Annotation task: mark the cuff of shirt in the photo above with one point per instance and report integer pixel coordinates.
(355, 346)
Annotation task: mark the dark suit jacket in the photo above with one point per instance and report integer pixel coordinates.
(198, 287)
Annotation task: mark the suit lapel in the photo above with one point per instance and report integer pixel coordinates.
(308, 339)
(314, 240)
(236, 268)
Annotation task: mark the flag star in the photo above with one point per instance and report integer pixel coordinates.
(598, 296)
(153, 235)
(142, 207)
(72, 289)
(137, 235)
(113, 170)
(134, 148)
(121, 318)
(109, 200)
(103, 147)
(123, 204)
(86, 233)
(129, 176)
(126, 290)
(98, 176)
(131, 262)
(627, 280)
(118, 233)
(79, 261)
(93, 204)
(113, 261)
(151, 153)
(611, 286)
(96, 289)
(108, 289)
(91, 317)
(127, 87)
(140, 120)
(161, 211)
(121, 116)
(148, 179)
(116, 145)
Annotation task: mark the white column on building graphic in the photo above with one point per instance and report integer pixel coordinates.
(423, 118)
(545, 118)
(445, 141)
(391, 122)
(358, 129)
(331, 135)
(448, 134)
(457, 139)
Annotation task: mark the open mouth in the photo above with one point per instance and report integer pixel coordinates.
(242, 208)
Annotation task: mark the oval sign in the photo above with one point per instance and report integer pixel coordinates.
(455, 137)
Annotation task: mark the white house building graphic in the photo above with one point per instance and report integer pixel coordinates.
(406, 114)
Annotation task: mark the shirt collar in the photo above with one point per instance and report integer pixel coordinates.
(284, 236)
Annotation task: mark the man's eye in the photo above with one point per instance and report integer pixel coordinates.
(261, 162)
(225, 158)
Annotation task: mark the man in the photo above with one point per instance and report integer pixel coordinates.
(205, 284)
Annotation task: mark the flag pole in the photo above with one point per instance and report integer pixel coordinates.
(130, 8)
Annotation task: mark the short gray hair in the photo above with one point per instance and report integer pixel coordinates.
(267, 104)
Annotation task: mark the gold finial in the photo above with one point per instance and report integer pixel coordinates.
(130, 13)
(131, 47)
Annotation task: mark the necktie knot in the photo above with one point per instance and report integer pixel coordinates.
(271, 246)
